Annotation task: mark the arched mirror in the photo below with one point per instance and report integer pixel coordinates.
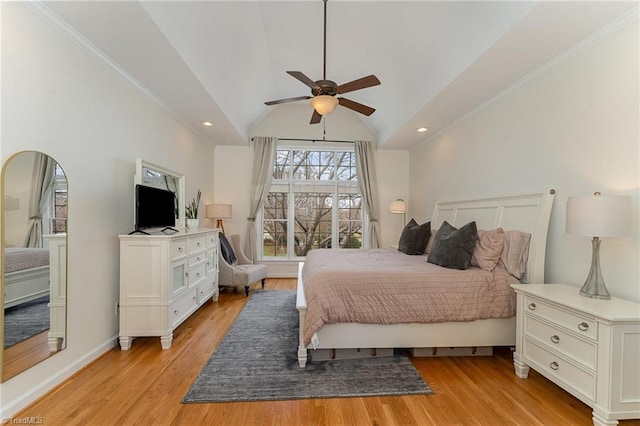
(34, 261)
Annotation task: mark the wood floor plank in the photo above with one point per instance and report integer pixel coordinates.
(145, 385)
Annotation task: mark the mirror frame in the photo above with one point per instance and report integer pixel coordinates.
(142, 164)
(2, 279)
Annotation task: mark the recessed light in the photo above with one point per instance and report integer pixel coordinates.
(207, 123)
(421, 129)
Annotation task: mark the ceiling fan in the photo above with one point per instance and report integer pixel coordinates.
(324, 91)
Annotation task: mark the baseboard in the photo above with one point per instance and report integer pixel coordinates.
(10, 408)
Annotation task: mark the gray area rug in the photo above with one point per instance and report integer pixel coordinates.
(257, 361)
(25, 320)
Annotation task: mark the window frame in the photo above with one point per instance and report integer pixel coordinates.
(292, 186)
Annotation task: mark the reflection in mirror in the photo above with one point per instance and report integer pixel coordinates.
(34, 260)
(159, 177)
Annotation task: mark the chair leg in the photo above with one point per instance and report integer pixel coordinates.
(263, 280)
(246, 290)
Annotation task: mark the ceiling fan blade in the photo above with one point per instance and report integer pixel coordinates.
(361, 83)
(282, 101)
(315, 118)
(303, 78)
(357, 107)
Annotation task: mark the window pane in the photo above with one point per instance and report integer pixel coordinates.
(274, 240)
(350, 220)
(346, 165)
(60, 212)
(282, 165)
(312, 222)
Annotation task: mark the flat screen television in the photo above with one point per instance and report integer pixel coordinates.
(155, 208)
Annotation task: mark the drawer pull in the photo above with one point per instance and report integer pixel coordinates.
(180, 249)
(198, 244)
(198, 274)
(175, 312)
(555, 339)
(194, 298)
(554, 365)
(532, 306)
(186, 274)
(583, 326)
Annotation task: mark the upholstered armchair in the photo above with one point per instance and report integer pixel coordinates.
(235, 269)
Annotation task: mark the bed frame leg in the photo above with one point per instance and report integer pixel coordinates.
(302, 357)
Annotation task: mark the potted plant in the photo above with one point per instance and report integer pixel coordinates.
(192, 211)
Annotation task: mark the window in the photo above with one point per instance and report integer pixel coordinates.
(314, 202)
(59, 193)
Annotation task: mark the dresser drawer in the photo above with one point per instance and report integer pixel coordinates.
(182, 307)
(197, 243)
(196, 274)
(577, 379)
(197, 259)
(556, 338)
(579, 324)
(205, 291)
(212, 240)
(178, 248)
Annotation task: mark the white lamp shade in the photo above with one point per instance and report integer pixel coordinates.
(397, 206)
(324, 104)
(218, 211)
(599, 215)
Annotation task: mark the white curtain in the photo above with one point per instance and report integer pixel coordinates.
(264, 149)
(44, 171)
(367, 181)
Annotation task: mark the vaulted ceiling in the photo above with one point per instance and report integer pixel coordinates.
(220, 61)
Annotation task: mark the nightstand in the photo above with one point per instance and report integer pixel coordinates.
(589, 347)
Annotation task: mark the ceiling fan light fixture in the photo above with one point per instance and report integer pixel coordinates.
(324, 104)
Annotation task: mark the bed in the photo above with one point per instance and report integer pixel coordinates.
(526, 213)
(26, 275)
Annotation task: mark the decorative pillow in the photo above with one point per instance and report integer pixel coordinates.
(430, 243)
(453, 248)
(488, 249)
(226, 250)
(414, 238)
(515, 253)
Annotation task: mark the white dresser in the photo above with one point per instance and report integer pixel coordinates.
(163, 280)
(589, 347)
(57, 290)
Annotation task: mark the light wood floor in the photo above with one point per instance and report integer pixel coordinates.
(145, 385)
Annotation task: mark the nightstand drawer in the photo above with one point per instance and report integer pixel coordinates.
(579, 324)
(556, 338)
(576, 378)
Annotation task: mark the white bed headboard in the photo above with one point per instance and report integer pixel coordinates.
(525, 212)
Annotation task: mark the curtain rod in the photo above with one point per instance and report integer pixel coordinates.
(312, 140)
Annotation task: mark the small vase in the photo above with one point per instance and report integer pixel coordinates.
(193, 223)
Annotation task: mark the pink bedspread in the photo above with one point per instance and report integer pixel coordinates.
(19, 258)
(385, 286)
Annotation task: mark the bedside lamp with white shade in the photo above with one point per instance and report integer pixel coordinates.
(598, 216)
(399, 206)
(218, 212)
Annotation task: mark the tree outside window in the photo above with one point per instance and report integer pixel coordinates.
(314, 203)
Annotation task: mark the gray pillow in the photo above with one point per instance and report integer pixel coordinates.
(414, 238)
(453, 248)
(226, 250)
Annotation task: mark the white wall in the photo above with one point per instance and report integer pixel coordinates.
(233, 168)
(573, 128)
(18, 178)
(58, 99)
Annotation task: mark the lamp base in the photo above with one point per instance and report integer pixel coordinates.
(594, 285)
(220, 225)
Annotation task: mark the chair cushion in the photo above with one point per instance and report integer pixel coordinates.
(248, 274)
(226, 250)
